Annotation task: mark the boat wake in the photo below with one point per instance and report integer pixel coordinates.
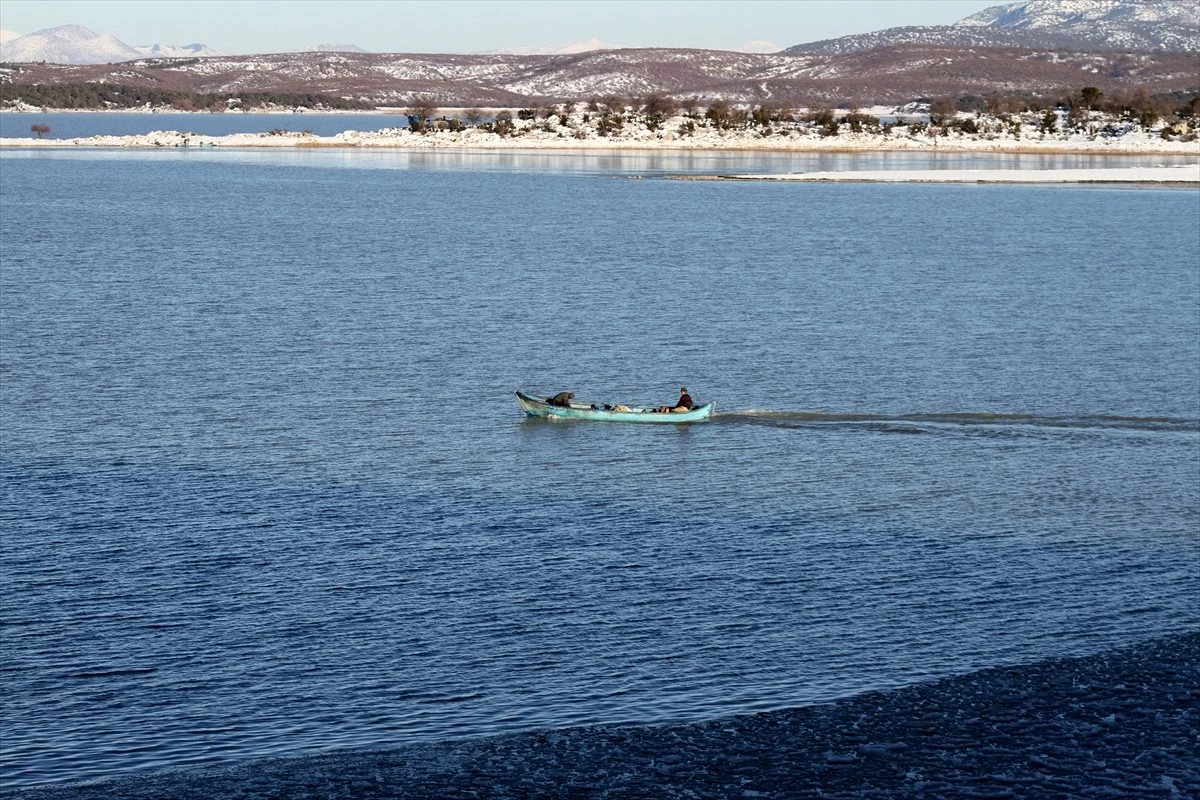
(960, 420)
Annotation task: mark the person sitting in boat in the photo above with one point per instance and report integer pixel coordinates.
(561, 399)
(684, 403)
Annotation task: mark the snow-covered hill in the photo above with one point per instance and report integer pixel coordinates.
(1155, 25)
(1121, 24)
(75, 44)
(177, 50)
(886, 76)
(67, 44)
(571, 48)
(335, 48)
(758, 46)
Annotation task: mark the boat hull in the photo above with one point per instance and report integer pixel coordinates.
(536, 407)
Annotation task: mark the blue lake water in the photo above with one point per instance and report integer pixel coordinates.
(265, 490)
(73, 124)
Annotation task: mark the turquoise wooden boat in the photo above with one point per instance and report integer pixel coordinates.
(538, 407)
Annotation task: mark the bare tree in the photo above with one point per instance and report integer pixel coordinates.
(473, 116)
(420, 110)
(719, 112)
(658, 107)
(1089, 97)
(614, 104)
(996, 104)
(504, 124)
(942, 110)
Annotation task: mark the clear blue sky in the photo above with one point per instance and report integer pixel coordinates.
(469, 26)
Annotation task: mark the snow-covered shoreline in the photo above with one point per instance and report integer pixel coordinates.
(581, 128)
(1134, 143)
(1185, 174)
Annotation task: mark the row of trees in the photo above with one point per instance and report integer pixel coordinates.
(657, 107)
(969, 114)
(610, 113)
(1135, 105)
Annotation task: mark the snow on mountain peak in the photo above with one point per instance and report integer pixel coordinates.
(1148, 25)
(336, 48)
(1159, 25)
(75, 44)
(572, 48)
(177, 50)
(1057, 14)
(67, 44)
(758, 46)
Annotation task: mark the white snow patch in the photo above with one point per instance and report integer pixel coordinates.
(571, 48)
(1184, 174)
(758, 46)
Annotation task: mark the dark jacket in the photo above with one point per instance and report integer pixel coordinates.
(685, 400)
(561, 399)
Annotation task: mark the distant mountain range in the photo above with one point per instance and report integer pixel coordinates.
(588, 45)
(564, 49)
(1154, 25)
(1042, 47)
(75, 44)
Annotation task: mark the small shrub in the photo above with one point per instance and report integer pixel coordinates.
(820, 116)
(503, 124)
(860, 122)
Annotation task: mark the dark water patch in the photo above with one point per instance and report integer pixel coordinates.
(1044, 728)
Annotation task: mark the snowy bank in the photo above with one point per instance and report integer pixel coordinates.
(1125, 723)
(641, 138)
(1185, 174)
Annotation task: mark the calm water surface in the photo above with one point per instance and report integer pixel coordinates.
(265, 490)
(69, 125)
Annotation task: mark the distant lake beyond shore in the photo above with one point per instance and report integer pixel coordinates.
(74, 124)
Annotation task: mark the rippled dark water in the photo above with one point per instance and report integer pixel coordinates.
(266, 491)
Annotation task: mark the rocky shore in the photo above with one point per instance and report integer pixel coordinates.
(1121, 724)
